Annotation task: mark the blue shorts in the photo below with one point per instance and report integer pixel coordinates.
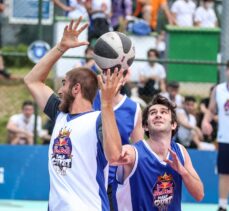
(223, 158)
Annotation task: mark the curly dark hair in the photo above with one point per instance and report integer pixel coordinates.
(158, 99)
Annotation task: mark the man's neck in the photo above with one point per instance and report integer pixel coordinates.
(160, 143)
(117, 99)
(80, 106)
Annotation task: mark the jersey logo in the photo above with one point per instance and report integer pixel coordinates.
(163, 192)
(226, 107)
(62, 149)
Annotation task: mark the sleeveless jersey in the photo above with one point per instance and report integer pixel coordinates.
(126, 114)
(222, 100)
(77, 165)
(152, 185)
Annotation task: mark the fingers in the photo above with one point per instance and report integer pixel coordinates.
(77, 23)
(82, 28)
(82, 43)
(100, 81)
(70, 25)
(168, 161)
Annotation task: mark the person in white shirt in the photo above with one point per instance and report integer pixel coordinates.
(21, 126)
(219, 104)
(73, 8)
(205, 15)
(100, 14)
(189, 135)
(80, 147)
(152, 75)
(172, 94)
(183, 12)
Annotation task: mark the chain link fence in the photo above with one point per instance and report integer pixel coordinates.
(15, 39)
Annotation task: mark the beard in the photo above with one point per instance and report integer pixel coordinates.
(66, 102)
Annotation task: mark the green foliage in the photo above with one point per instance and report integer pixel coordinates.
(12, 61)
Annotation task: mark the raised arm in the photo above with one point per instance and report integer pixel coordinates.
(35, 79)
(112, 144)
(209, 114)
(138, 132)
(189, 175)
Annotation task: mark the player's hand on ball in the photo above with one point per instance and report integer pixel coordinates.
(71, 34)
(110, 86)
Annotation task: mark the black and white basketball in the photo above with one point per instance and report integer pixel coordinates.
(114, 49)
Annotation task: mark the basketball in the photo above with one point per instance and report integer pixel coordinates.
(114, 49)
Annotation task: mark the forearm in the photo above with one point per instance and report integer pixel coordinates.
(13, 128)
(193, 185)
(185, 124)
(111, 138)
(208, 117)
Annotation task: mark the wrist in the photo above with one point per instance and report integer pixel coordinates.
(61, 48)
(106, 105)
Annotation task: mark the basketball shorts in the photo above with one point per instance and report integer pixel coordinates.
(223, 158)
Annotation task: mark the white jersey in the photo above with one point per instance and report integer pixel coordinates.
(77, 165)
(222, 100)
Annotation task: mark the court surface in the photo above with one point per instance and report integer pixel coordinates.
(16, 205)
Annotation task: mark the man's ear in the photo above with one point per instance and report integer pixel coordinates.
(76, 89)
(145, 127)
(174, 126)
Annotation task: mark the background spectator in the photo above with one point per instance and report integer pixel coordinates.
(99, 13)
(152, 76)
(89, 61)
(189, 135)
(121, 10)
(149, 10)
(161, 44)
(205, 15)
(203, 110)
(21, 126)
(72, 8)
(183, 12)
(173, 94)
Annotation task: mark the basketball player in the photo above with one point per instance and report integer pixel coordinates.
(78, 153)
(219, 103)
(128, 116)
(153, 171)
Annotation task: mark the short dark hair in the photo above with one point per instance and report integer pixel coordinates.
(158, 99)
(87, 80)
(27, 103)
(89, 48)
(189, 99)
(173, 84)
(154, 51)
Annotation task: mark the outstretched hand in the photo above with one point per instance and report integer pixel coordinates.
(110, 86)
(71, 34)
(175, 163)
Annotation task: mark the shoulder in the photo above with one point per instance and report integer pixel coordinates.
(180, 111)
(16, 117)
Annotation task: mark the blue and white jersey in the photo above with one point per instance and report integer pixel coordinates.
(126, 115)
(77, 166)
(152, 185)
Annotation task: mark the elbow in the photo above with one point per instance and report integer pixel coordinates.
(199, 197)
